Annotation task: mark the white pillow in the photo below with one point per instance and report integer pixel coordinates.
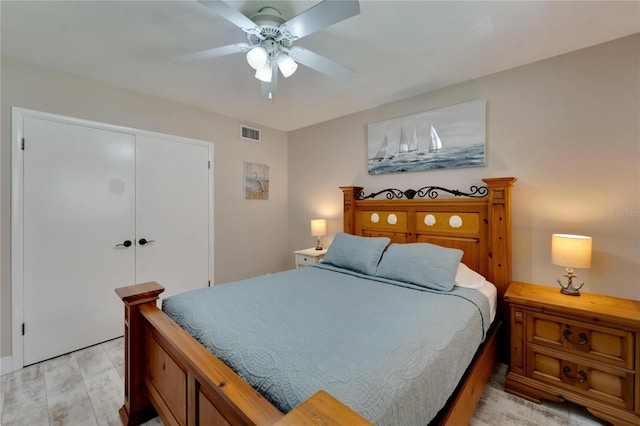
(467, 277)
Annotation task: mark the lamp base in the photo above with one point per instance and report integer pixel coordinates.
(570, 292)
(570, 289)
(318, 244)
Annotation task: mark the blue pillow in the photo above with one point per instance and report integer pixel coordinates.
(359, 254)
(422, 264)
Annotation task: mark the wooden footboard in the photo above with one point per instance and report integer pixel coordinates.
(169, 373)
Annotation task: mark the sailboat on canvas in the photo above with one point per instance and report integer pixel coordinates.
(406, 145)
(384, 151)
(413, 144)
(435, 143)
(403, 146)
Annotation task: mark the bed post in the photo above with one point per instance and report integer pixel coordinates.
(499, 216)
(137, 408)
(349, 214)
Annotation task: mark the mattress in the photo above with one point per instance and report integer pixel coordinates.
(490, 291)
(391, 352)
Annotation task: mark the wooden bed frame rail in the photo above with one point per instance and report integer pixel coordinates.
(169, 373)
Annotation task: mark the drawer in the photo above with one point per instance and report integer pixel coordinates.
(302, 259)
(208, 414)
(609, 345)
(169, 380)
(564, 371)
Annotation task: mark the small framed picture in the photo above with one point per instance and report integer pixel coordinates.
(256, 181)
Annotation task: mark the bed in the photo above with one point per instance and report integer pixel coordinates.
(366, 360)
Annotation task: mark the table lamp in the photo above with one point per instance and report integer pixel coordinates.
(571, 251)
(318, 229)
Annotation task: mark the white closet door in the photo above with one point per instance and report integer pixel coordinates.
(173, 211)
(78, 205)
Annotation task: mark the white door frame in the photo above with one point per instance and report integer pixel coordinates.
(17, 207)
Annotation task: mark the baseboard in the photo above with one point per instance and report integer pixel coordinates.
(6, 365)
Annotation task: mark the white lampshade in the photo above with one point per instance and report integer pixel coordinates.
(257, 57)
(318, 227)
(264, 73)
(287, 65)
(571, 251)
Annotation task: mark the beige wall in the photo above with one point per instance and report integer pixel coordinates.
(250, 236)
(566, 127)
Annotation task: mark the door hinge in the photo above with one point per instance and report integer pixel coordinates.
(23, 329)
(209, 164)
(209, 283)
(22, 144)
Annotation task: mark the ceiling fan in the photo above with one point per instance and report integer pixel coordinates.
(270, 38)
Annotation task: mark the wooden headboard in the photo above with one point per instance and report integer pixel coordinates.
(479, 224)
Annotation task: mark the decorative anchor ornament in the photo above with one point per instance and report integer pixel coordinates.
(570, 289)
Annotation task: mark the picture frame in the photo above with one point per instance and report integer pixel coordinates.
(448, 137)
(256, 181)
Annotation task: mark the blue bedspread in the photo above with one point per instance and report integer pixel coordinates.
(392, 353)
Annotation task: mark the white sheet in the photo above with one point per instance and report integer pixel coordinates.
(490, 290)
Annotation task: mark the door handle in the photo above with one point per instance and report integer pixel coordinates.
(126, 243)
(143, 241)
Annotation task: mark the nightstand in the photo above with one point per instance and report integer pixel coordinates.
(309, 256)
(582, 349)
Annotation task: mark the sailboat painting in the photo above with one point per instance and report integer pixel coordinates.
(453, 136)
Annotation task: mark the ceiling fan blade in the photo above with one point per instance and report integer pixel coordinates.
(211, 53)
(322, 15)
(321, 64)
(232, 15)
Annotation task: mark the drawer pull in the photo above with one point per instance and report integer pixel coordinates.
(583, 376)
(583, 338)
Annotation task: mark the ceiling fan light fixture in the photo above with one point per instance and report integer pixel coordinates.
(257, 57)
(270, 37)
(287, 65)
(264, 73)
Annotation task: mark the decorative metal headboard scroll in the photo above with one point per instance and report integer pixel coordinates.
(425, 192)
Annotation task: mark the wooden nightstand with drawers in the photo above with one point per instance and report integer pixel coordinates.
(582, 349)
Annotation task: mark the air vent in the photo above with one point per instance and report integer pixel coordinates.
(249, 133)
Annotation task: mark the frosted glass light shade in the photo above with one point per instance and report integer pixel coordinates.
(287, 65)
(318, 227)
(264, 73)
(571, 251)
(257, 57)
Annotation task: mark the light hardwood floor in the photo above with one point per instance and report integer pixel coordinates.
(85, 388)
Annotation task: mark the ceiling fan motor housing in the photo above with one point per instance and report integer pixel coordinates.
(269, 19)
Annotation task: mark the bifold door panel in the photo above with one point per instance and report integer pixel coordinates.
(172, 188)
(102, 209)
(79, 201)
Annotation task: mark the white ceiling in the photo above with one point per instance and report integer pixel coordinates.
(397, 48)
